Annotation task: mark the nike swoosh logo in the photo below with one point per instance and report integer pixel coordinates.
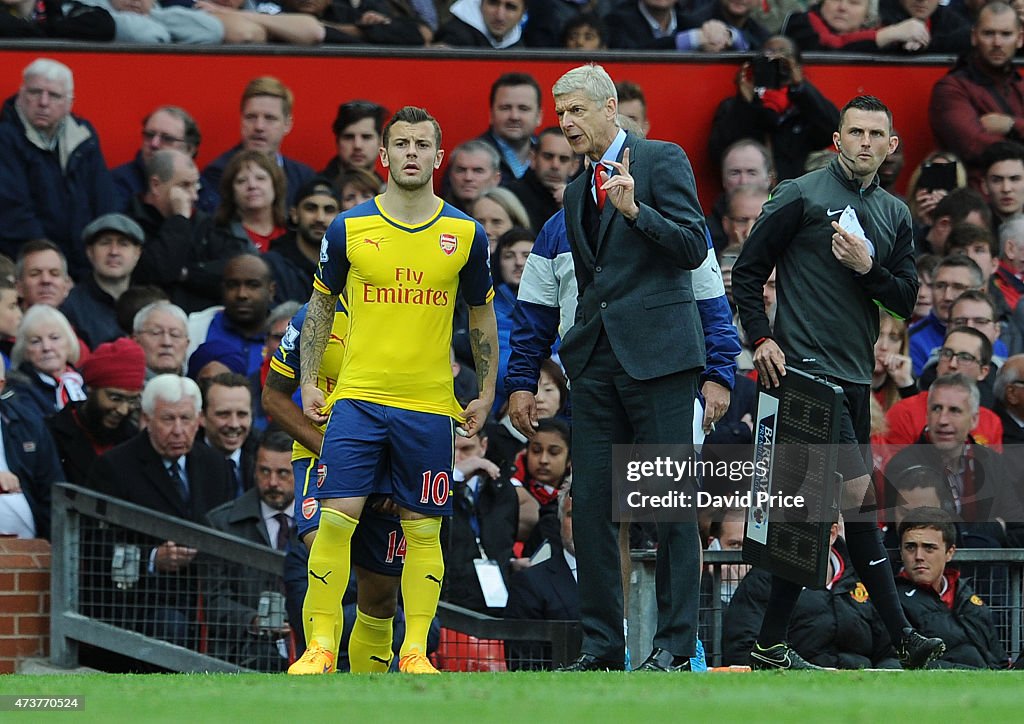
(785, 663)
(875, 563)
(830, 212)
(908, 594)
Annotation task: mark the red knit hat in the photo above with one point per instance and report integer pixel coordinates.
(120, 364)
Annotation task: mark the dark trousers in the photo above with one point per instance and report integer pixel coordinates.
(612, 408)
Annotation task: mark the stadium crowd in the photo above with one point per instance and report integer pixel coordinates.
(143, 307)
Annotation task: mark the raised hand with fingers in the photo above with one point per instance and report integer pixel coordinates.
(619, 186)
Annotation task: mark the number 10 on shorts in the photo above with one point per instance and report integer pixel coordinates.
(435, 487)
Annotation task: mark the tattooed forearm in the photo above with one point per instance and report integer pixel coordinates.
(482, 352)
(316, 330)
(483, 339)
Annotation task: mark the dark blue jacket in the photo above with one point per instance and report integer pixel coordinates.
(129, 182)
(32, 456)
(92, 313)
(39, 200)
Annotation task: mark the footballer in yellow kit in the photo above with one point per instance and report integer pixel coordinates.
(398, 261)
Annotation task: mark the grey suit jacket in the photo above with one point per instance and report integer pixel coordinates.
(635, 280)
(236, 590)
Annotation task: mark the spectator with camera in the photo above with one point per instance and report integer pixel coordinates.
(954, 208)
(939, 173)
(776, 104)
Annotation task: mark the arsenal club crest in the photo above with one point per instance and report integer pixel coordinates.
(321, 474)
(449, 243)
(309, 507)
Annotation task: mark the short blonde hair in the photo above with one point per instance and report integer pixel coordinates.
(269, 86)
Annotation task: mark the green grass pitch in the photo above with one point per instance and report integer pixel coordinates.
(536, 698)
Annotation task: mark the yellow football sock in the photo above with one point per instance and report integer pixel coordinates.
(421, 580)
(339, 625)
(328, 576)
(369, 646)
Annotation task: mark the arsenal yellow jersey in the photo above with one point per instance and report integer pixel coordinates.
(400, 283)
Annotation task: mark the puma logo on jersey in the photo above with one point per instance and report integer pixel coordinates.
(432, 578)
(379, 660)
(323, 578)
(372, 243)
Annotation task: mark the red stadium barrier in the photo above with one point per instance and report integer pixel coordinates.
(458, 651)
(114, 89)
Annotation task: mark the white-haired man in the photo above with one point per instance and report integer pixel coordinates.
(634, 356)
(161, 329)
(162, 470)
(53, 179)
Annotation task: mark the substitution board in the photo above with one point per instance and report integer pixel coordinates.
(795, 455)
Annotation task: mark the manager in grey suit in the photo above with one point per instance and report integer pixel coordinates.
(634, 355)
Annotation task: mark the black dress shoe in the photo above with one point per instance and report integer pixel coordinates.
(662, 660)
(589, 662)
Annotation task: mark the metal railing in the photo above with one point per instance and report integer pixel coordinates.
(996, 576)
(106, 593)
